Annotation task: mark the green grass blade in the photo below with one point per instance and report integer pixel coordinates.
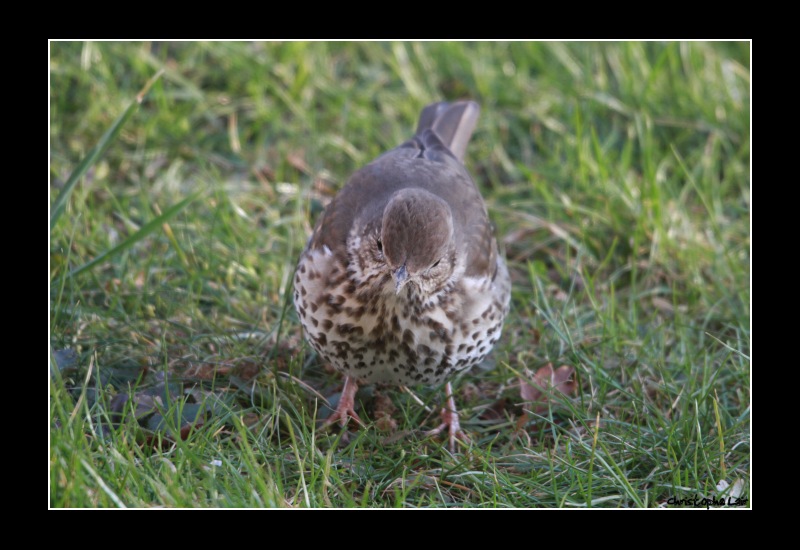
(148, 228)
(96, 152)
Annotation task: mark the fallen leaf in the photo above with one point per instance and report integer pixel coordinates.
(382, 413)
(663, 305)
(245, 372)
(298, 161)
(540, 391)
(385, 423)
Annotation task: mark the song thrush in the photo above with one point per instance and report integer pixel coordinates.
(401, 281)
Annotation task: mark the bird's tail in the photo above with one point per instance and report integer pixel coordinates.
(453, 123)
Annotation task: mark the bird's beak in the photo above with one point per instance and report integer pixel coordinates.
(400, 278)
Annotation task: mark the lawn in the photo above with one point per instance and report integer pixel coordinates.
(185, 179)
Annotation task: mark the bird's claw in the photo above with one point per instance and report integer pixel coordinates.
(345, 409)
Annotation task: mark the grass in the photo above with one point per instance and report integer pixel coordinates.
(618, 175)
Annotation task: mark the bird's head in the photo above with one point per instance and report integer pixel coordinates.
(416, 241)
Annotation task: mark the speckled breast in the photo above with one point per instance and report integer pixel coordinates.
(400, 339)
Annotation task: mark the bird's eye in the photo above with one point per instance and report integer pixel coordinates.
(380, 245)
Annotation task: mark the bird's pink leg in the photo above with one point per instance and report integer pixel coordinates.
(345, 409)
(450, 420)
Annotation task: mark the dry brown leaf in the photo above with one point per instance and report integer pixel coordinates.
(663, 305)
(383, 411)
(297, 160)
(540, 390)
(206, 371)
(385, 423)
(248, 370)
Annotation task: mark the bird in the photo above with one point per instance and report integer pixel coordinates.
(401, 281)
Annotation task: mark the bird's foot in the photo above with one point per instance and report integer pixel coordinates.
(450, 421)
(345, 409)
